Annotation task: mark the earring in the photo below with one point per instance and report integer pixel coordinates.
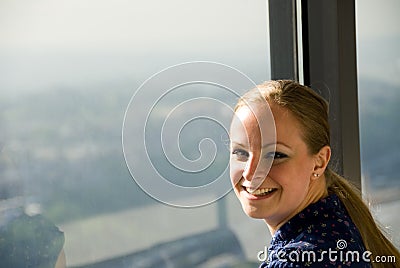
(316, 175)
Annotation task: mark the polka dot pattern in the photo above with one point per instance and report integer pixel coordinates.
(322, 235)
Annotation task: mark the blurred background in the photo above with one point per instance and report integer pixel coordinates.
(68, 70)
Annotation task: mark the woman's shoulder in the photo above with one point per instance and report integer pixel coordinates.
(318, 224)
(327, 224)
(317, 235)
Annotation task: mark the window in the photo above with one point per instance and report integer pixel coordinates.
(378, 40)
(69, 69)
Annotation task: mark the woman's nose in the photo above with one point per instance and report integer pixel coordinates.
(256, 172)
(251, 167)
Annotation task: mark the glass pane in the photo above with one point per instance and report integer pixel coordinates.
(378, 43)
(69, 70)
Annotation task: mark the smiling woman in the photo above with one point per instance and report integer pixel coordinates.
(289, 174)
(308, 208)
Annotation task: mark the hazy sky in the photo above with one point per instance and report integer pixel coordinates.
(378, 19)
(63, 42)
(123, 24)
(54, 42)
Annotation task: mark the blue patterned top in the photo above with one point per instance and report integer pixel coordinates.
(322, 235)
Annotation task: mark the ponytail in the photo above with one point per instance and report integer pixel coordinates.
(372, 235)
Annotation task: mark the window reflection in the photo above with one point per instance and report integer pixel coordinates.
(378, 40)
(69, 70)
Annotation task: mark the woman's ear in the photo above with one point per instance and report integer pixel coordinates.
(321, 160)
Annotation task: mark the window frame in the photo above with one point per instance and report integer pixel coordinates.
(321, 36)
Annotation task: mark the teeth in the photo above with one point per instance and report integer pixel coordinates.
(250, 190)
(260, 191)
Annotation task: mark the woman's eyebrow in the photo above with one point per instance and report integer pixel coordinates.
(264, 146)
(276, 143)
(238, 143)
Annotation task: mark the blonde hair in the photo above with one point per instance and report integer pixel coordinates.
(311, 110)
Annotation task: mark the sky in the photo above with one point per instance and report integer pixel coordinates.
(377, 19)
(48, 43)
(123, 24)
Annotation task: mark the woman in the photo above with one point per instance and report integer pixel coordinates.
(315, 216)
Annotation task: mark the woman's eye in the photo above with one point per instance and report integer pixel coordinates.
(276, 155)
(240, 153)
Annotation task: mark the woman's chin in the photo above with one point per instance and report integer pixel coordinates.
(254, 213)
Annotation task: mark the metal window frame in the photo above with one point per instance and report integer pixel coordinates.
(329, 65)
(283, 39)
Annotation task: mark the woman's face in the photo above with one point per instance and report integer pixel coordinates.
(285, 189)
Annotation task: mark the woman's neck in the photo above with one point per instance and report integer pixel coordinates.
(316, 192)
